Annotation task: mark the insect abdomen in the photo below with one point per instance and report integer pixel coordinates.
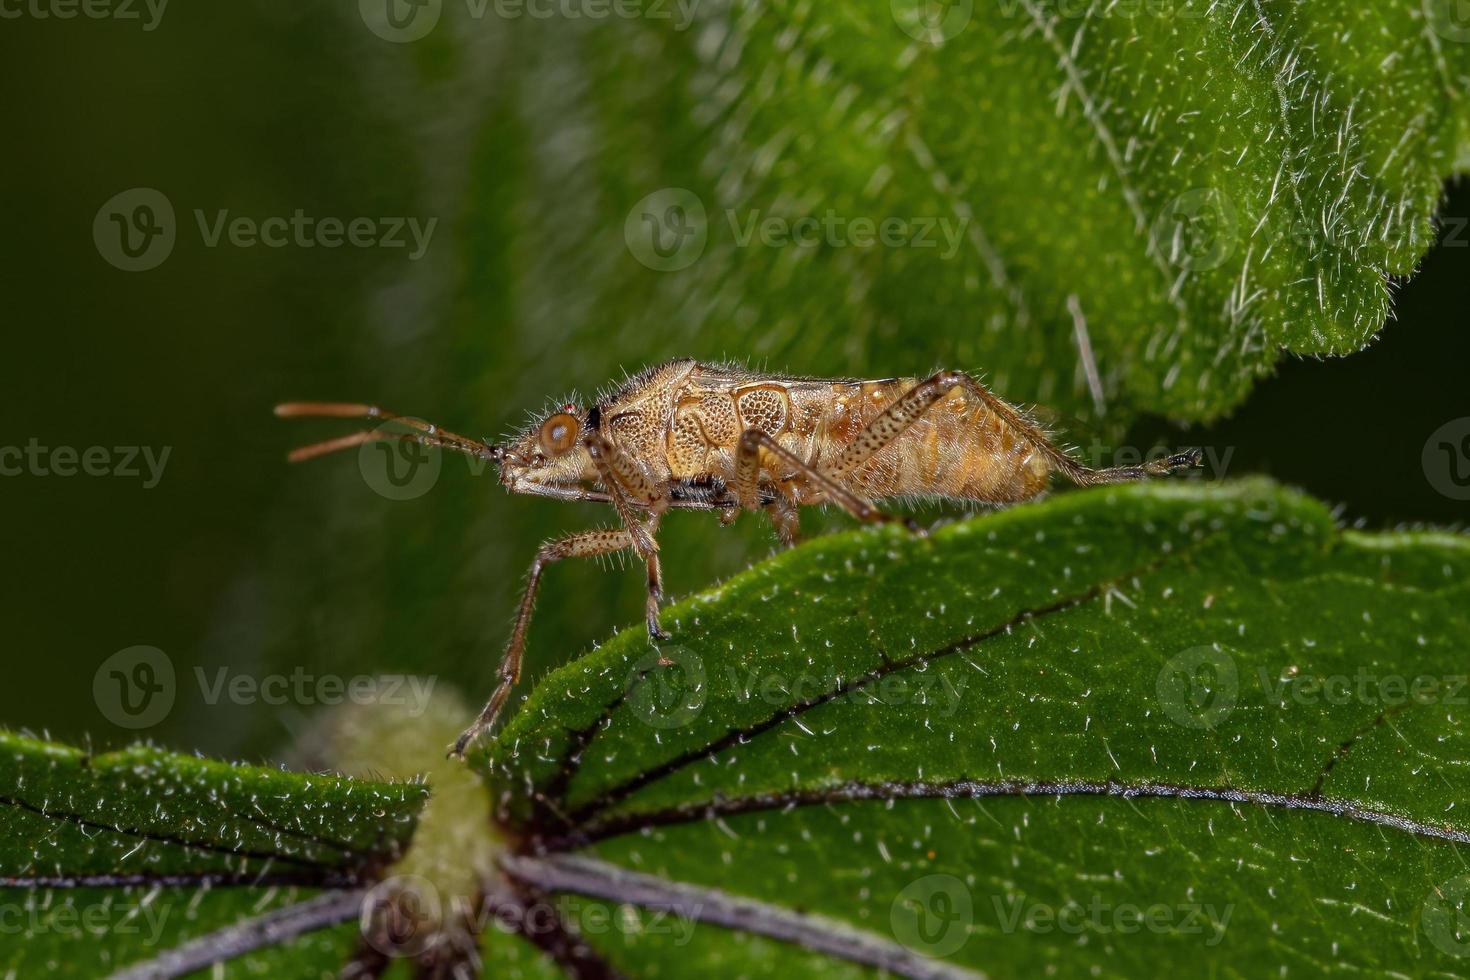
(958, 449)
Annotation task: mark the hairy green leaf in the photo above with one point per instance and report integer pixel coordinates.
(1164, 194)
(121, 857)
(1116, 730)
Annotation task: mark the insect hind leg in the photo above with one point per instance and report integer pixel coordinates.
(918, 400)
(1086, 476)
(747, 467)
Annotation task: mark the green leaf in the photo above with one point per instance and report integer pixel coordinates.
(110, 859)
(995, 745)
(1202, 185)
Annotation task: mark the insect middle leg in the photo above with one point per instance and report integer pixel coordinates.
(785, 518)
(584, 544)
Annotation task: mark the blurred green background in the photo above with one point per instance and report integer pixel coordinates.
(237, 560)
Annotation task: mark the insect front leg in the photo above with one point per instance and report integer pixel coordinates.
(628, 485)
(584, 544)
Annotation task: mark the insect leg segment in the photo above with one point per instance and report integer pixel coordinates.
(1076, 471)
(628, 484)
(919, 399)
(783, 512)
(785, 518)
(747, 467)
(1086, 476)
(584, 544)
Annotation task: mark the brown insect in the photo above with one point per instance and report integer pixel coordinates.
(713, 437)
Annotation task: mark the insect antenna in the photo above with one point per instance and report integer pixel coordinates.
(427, 433)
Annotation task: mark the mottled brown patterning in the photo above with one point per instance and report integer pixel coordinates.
(714, 437)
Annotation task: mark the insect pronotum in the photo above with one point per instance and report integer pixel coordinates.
(713, 437)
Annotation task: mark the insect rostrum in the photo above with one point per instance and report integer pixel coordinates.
(713, 437)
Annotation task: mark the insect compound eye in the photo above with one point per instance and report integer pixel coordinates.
(559, 433)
